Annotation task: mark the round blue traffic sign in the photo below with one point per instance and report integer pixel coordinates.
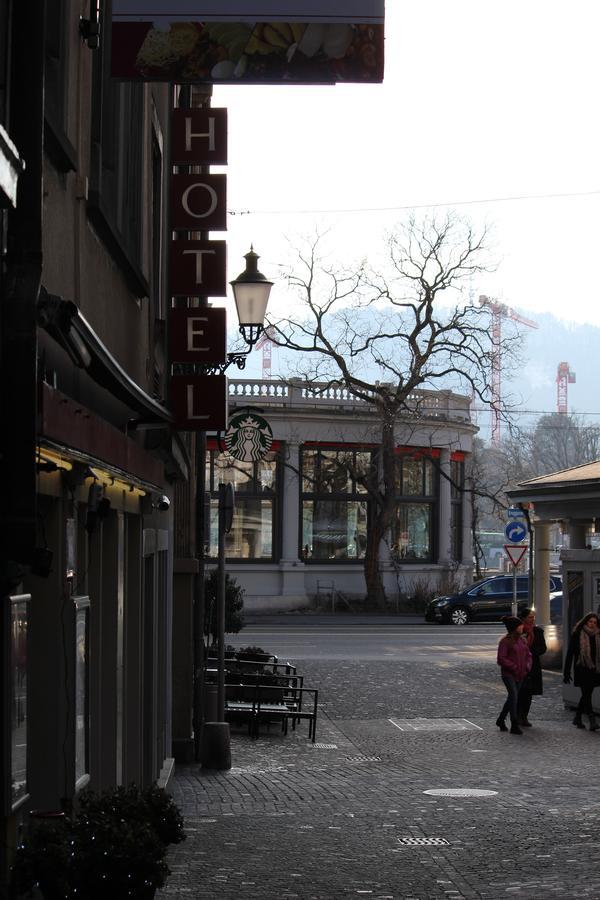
(515, 532)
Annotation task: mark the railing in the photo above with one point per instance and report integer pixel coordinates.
(294, 394)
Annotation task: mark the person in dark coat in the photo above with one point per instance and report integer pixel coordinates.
(533, 635)
(514, 659)
(584, 656)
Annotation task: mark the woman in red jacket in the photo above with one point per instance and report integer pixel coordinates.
(514, 659)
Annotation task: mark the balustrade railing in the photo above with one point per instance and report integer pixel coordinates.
(294, 394)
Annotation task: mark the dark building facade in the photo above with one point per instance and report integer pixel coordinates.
(89, 464)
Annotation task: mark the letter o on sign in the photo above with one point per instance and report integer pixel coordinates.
(199, 200)
(185, 200)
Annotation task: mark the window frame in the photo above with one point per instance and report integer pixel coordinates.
(81, 610)
(117, 167)
(457, 495)
(57, 144)
(260, 495)
(10, 804)
(319, 495)
(429, 500)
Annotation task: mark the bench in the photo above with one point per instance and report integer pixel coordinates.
(262, 704)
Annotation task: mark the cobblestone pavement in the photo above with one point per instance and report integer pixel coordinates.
(348, 817)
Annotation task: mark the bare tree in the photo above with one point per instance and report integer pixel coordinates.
(382, 337)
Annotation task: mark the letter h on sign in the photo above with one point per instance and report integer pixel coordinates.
(199, 137)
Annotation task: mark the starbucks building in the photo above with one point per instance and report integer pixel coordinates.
(294, 456)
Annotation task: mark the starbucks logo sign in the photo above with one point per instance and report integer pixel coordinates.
(249, 437)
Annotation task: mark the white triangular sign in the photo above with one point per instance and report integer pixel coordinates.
(515, 552)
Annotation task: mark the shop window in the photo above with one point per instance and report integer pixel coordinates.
(413, 533)
(256, 486)
(19, 611)
(334, 505)
(82, 698)
(457, 476)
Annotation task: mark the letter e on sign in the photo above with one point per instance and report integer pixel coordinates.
(198, 335)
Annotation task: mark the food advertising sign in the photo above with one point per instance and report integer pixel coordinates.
(248, 41)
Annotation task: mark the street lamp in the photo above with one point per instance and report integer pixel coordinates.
(251, 294)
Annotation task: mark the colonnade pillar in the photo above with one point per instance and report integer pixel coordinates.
(541, 590)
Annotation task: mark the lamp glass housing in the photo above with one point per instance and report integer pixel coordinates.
(251, 294)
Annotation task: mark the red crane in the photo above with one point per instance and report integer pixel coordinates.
(266, 343)
(564, 377)
(499, 311)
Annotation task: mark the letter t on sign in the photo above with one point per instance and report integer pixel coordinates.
(199, 137)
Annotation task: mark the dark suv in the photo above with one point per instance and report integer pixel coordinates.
(490, 598)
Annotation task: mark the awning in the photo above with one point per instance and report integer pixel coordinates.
(64, 322)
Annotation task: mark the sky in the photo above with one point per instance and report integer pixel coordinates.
(482, 103)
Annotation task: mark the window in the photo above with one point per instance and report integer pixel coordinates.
(334, 503)
(19, 718)
(82, 724)
(413, 528)
(457, 484)
(56, 108)
(256, 491)
(115, 194)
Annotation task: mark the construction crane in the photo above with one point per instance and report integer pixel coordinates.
(266, 344)
(564, 377)
(499, 311)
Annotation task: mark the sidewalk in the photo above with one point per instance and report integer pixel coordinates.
(348, 817)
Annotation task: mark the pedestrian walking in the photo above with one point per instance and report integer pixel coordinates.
(514, 659)
(532, 685)
(583, 656)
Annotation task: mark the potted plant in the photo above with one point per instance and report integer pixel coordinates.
(42, 859)
(114, 857)
(234, 605)
(114, 845)
(256, 654)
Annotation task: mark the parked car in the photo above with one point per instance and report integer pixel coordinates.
(490, 598)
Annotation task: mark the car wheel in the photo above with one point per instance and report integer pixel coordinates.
(459, 615)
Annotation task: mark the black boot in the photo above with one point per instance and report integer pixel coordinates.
(501, 724)
(593, 722)
(577, 720)
(514, 729)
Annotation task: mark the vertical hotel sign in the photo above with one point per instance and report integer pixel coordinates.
(248, 41)
(198, 268)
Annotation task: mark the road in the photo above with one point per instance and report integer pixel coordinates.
(335, 638)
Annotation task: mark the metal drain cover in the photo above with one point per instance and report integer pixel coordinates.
(324, 746)
(459, 792)
(422, 724)
(423, 842)
(363, 758)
